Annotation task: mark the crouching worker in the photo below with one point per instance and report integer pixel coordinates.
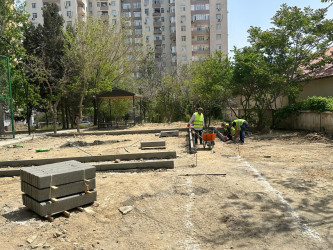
(240, 126)
(228, 131)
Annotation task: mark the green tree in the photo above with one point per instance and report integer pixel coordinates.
(211, 80)
(255, 82)
(103, 53)
(45, 45)
(298, 38)
(13, 22)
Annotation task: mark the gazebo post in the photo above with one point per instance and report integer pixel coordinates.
(110, 111)
(134, 110)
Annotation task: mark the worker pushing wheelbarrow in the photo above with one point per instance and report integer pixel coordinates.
(207, 136)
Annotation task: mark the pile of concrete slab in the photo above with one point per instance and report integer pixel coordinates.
(58, 187)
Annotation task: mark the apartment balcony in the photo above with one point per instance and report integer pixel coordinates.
(200, 22)
(200, 52)
(104, 8)
(51, 1)
(158, 51)
(157, 24)
(200, 32)
(195, 12)
(198, 1)
(157, 14)
(200, 41)
(158, 42)
(157, 32)
(81, 11)
(104, 17)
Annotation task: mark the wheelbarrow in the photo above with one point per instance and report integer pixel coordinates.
(208, 139)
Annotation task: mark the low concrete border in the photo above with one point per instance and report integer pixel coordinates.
(83, 159)
(125, 132)
(136, 165)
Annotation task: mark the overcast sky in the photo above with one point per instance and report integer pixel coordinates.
(246, 13)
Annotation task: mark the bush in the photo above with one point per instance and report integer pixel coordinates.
(315, 103)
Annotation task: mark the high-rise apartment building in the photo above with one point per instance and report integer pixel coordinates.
(179, 31)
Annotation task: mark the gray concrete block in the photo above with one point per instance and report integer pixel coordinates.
(61, 191)
(63, 204)
(169, 164)
(149, 144)
(169, 133)
(57, 174)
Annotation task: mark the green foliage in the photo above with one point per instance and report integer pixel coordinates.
(315, 103)
(298, 38)
(211, 81)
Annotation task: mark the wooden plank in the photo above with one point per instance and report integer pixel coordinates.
(169, 164)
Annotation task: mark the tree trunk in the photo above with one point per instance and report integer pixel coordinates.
(63, 115)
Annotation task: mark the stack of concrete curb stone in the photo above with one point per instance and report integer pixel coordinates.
(55, 188)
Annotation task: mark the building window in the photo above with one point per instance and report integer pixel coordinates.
(183, 38)
(69, 23)
(218, 16)
(68, 4)
(162, 10)
(104, 4)
(171, 1)
(90, 4)
(126, 6)
(147, 11)
(218, 36)
(146, 2)
(33, 5)
(137, 14)
(163, 37)
(98, 4)
(162, 28)
(182, 8)
(147, 38)
(172, 29)
(218, 46)
(127, 14)
(183, 28)
(34, 15)
(114, 21)
(218, 26)
(113, 3)
(69, 13)
(148, 28)
(200, 7)
(147, 20)
(137, 22)
(200, 38)
(218, 6)
(184, 48)
(182, 19)
(162, 19)
(138, 31)
(114, 13)
(184, 58)
(137, 5)
(172, 19)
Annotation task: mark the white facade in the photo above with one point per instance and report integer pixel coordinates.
(179, 31)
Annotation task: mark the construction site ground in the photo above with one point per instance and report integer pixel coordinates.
(276, 194)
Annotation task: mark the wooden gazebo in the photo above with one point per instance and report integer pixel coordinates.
(117, 94)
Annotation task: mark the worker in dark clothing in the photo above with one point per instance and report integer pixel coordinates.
(240, 126)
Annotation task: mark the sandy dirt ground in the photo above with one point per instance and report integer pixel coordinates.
(276, 194)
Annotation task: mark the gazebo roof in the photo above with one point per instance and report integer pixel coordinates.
(117, 94)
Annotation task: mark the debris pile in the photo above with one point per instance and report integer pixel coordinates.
(54, 188)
